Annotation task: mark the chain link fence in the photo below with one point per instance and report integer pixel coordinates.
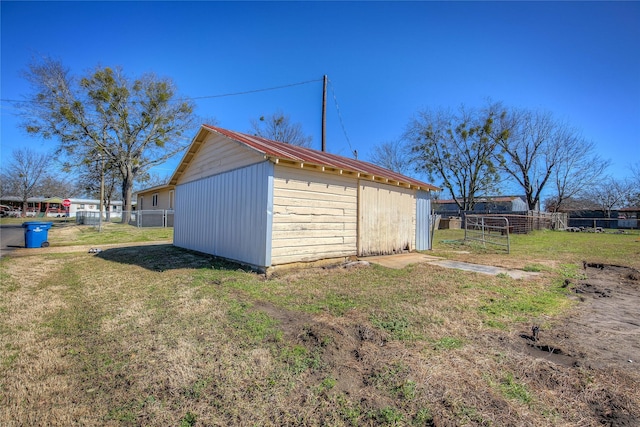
(144, 218)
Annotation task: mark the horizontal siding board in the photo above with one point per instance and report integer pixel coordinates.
(282, 218)
(280, 208)
(300, 234)
(293, 227)
(301, 255)
(314, 215)
(294, 202)
(231, 217)
(301, 190)
(299, 243)
(217, 155)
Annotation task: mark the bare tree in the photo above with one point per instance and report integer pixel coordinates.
(531, 147)
(152, 180)
(135, 124)
(609, 194)
(23, 173)
(392, 155)
(577, 168)
(457, 148)
(633, 198)
(278, 127)
(57, 185)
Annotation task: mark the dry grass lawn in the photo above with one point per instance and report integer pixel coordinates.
(156, 335)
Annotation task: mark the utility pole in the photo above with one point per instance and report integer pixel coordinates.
(101, 191)
(324, 113)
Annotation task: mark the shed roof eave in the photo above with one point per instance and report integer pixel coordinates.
(356, 173)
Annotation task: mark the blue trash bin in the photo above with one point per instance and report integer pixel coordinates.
(36, 234)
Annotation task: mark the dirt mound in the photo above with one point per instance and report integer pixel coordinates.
(350, 348)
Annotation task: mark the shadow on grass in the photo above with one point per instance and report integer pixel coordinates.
(167, 257)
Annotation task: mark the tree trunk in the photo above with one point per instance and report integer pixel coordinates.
(127, 191)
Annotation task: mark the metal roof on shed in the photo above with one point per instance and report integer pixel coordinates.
(281, 151)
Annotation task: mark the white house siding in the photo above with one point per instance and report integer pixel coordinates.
(216, 155)
(387, 217)
(227, 214)
(314, 215)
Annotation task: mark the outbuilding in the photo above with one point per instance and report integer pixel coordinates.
(266, 203)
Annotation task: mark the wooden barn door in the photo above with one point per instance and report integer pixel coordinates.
(386, 219)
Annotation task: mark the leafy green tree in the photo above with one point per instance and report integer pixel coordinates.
(134, 123)
(457, 148)
(278, 127)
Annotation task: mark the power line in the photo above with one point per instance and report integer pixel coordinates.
(255, 90)
(192, 98)
(344, 130)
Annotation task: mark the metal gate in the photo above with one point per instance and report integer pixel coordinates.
(488, 230)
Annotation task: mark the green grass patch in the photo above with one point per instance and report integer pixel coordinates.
(448, 343)
(299, 359)
(533, 268)
(507, 304)
(512, 389)
(252, 327)
(110, 234)
(387, 416)
(396, 326)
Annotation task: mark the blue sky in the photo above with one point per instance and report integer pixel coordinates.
(385, 61)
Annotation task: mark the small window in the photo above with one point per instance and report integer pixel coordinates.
(154, 200)
(81, 205)
(171, 197)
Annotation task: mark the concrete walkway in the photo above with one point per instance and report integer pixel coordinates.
(400, 261)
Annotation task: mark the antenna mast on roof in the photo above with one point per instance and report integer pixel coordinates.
(324, 112)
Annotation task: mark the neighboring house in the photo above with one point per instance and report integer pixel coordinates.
(161, 197)
(616, 218)
(629, 217)
(495, 204)
(53, 206)
(155, 206)
(266, 203)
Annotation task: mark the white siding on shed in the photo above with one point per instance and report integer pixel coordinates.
(314, 215)
(218, 154)
(228, 214)
(423, 221)
(386, 217)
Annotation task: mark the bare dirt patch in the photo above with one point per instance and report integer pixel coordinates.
(604, 330)
(601, 336)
